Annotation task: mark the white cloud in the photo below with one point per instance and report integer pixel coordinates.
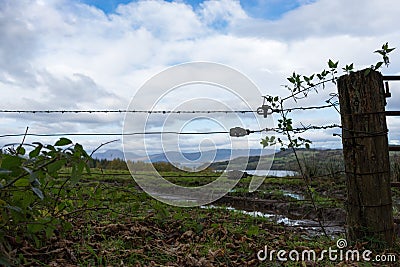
(166, 21)
(326, 18)
(64, 54)
(221, 13)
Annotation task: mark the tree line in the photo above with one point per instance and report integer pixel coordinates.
(120, 164)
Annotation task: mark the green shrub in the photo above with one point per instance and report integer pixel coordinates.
(32, 192)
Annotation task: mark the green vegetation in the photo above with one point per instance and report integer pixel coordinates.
(99, 217)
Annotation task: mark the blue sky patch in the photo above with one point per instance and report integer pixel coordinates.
(262, 9)
(269, 9)
(108, 6)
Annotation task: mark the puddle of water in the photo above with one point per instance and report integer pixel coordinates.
(277, 218)
(312, 227)
(274, 173)
(293, 195)
(286, 193)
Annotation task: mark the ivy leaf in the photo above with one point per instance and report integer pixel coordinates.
(63, 142)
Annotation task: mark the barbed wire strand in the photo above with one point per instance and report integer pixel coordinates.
(111, 134)
(299, 129)
(305, 108)
(20, 111)
(127, 111)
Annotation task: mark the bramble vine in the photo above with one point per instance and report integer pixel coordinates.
(32, 195)
(300, 86)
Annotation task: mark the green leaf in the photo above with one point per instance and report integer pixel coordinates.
(34, 153)
(348, 68)
(264, 143)
(87, 167)
(67, 226)
(21, 150)
(22, 182)
(378, 65)
(38, 192)
(332, 65)
(50, 147)
(49, 231)
(76, 172)
(35, 227)
(389, 50)
(63, 142)
(56, 166)
(381, 52)
(367, 71)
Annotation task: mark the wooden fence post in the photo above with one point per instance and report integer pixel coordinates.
(366, 155)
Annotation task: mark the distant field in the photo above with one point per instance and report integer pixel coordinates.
(113, 223)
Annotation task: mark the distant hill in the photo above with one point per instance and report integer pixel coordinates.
(220, 158)
(189, 158)
(286, 160)
(207, 156)
(114, 154)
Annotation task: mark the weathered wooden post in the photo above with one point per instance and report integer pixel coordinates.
(366, 154)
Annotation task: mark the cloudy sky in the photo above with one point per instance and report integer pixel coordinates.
(93, 54)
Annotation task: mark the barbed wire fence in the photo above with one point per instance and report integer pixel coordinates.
(321, 207)
(275, 129)
(249, 203)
